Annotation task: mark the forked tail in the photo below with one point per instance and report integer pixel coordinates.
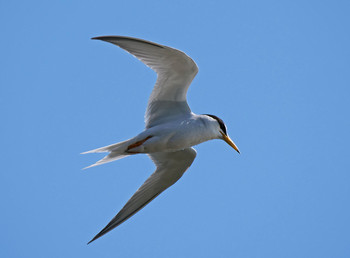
(117, 151)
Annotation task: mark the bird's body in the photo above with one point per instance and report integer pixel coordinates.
(171, 128)
(176, 135)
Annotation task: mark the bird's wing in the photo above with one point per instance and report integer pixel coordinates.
(170, 167)
(175, 72)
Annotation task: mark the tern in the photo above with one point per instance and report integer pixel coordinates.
(171, 129)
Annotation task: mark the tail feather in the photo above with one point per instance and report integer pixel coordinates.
(117, 151)
(108, 148)
(109, 158)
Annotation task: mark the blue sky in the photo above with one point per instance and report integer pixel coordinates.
(277, 73)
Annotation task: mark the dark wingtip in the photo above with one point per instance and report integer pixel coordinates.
(119, 38)
(92, 240)
(98, 235)
(105, 38)
(100, 37)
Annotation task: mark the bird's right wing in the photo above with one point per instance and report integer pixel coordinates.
(175, 72)
(170, 167)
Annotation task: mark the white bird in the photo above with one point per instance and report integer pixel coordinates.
(171, 128)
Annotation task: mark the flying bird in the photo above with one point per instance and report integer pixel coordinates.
(171, 129)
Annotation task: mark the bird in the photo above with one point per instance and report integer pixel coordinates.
(171, 128)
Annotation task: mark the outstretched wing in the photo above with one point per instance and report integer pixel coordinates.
(170, 167)
(175, 72)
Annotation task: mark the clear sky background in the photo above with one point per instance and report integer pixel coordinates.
(278, 74)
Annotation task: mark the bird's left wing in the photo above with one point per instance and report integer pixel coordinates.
(170, 167)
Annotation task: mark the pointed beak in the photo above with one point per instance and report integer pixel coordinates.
(229, 141)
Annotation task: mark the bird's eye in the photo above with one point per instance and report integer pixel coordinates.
(220, 122)
(223, 128)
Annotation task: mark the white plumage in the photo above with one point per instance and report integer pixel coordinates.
(171, 129)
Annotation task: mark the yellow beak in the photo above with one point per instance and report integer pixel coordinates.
(229, 141)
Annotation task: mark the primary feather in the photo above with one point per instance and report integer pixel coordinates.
(175, 72)
(170, 167)
(171, 129)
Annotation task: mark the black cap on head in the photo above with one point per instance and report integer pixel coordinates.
(221, 123)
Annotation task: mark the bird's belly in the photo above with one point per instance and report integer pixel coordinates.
(187, 136)
(173, 137)
(184, 140)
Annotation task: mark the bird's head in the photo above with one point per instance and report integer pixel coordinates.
(222, 132)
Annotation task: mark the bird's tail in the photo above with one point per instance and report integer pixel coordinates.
(116, 151)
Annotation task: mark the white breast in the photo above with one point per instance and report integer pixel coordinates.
(190, 132)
